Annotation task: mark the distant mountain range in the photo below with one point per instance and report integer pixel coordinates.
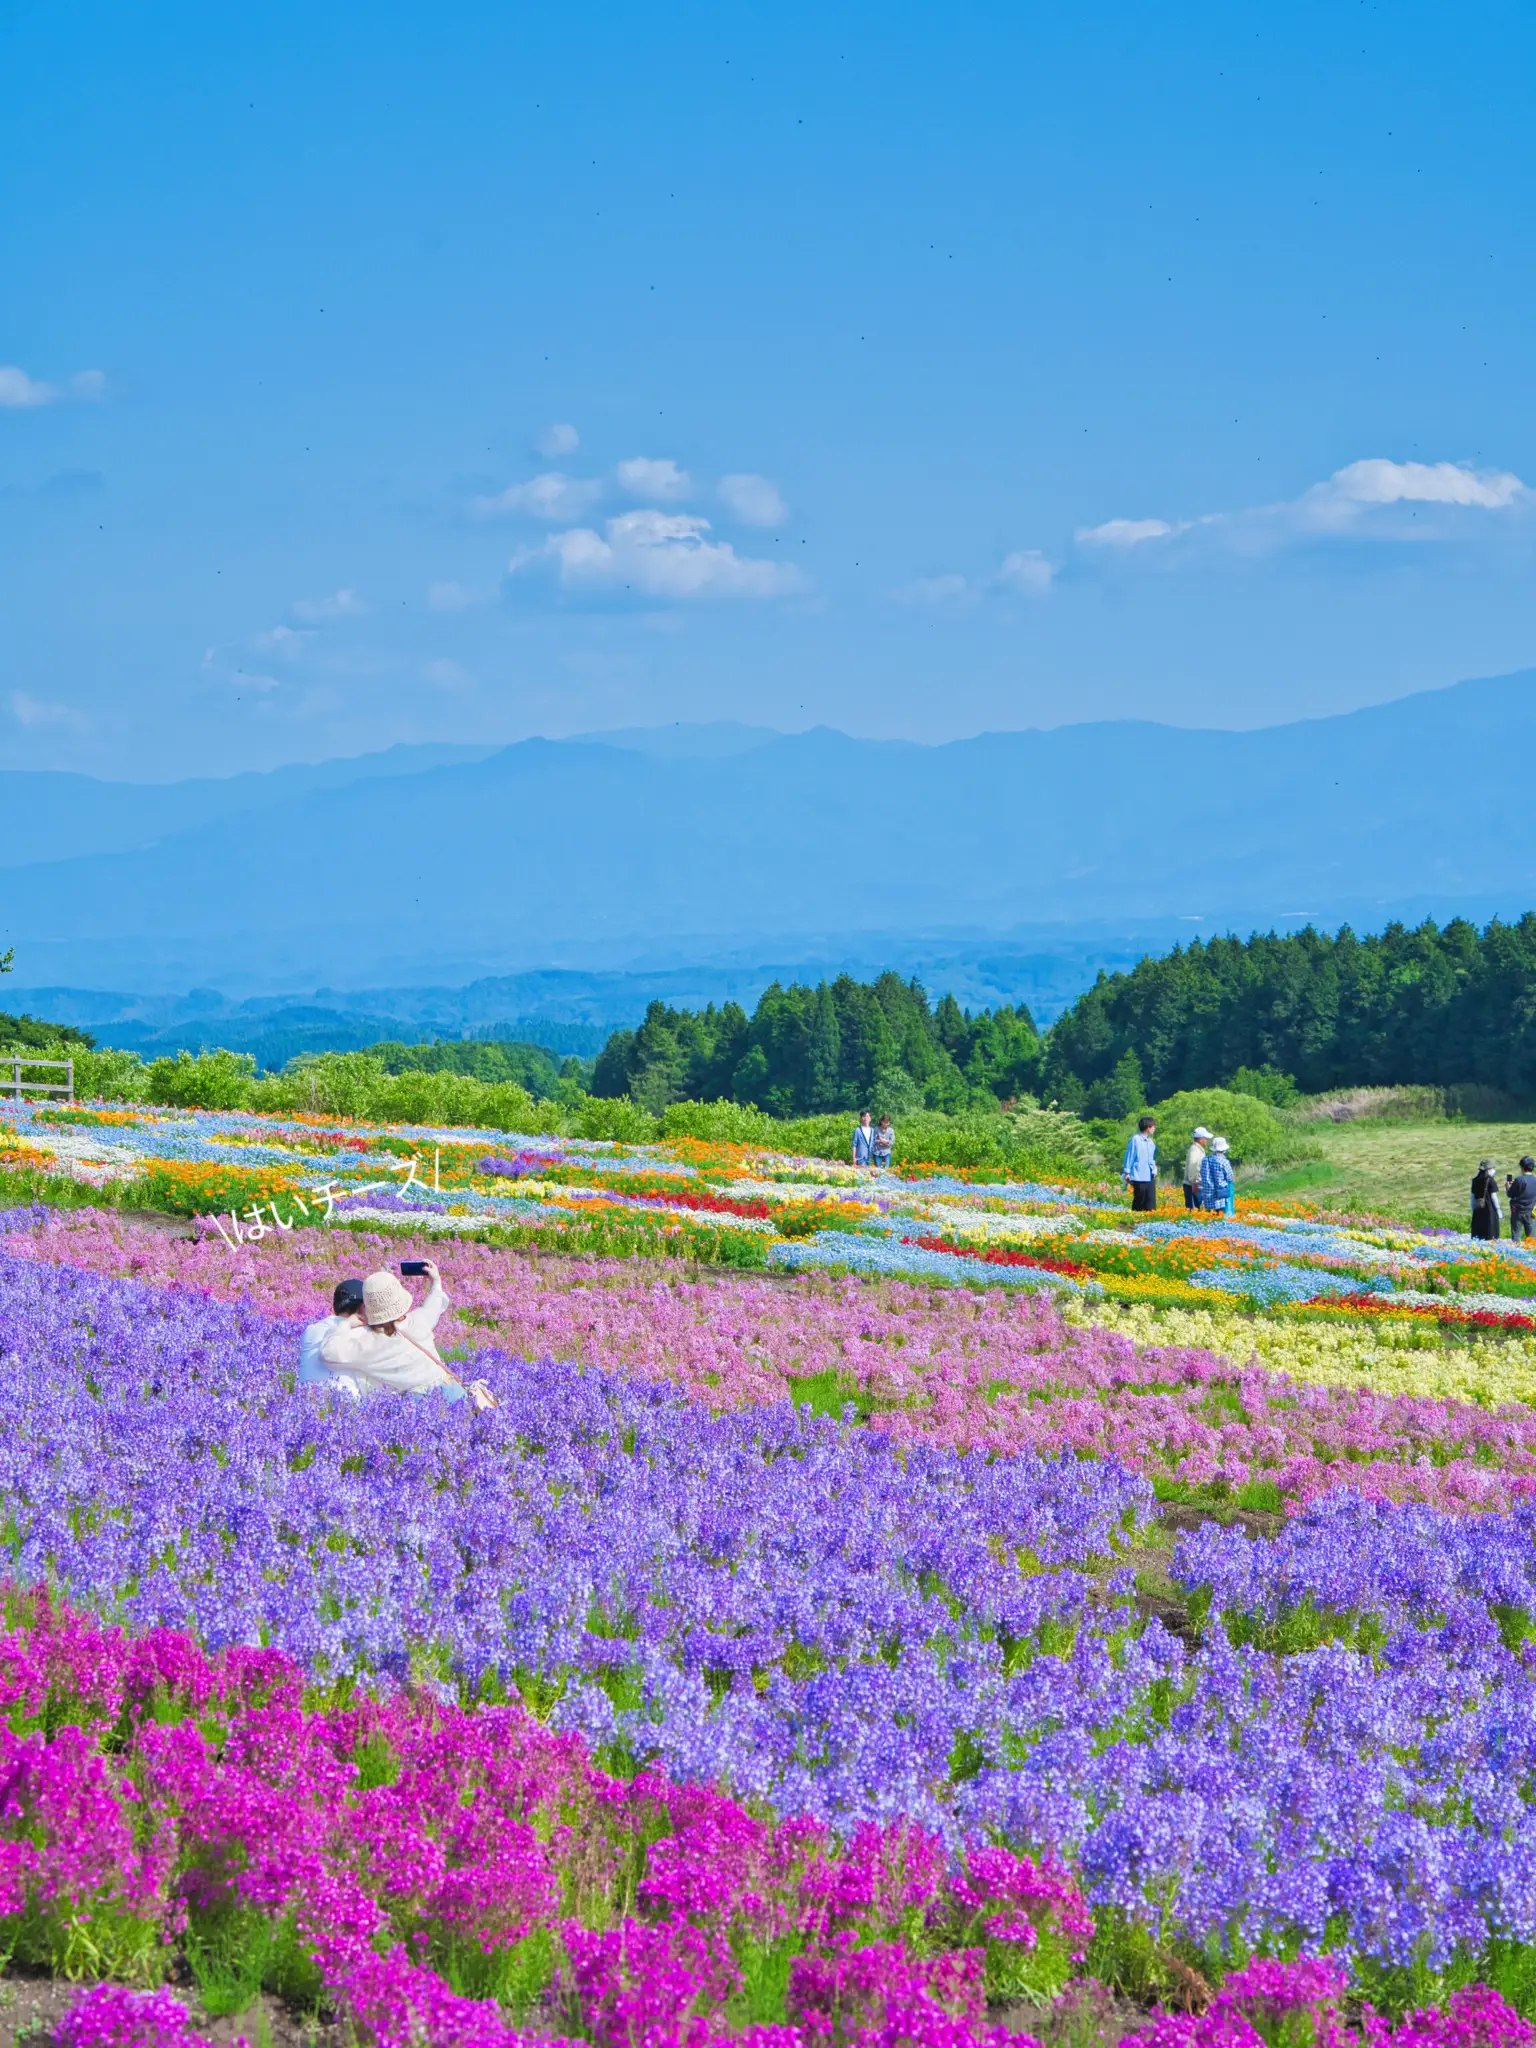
(695, 854)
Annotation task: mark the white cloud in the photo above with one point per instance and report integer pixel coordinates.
(341, 604)
(1360, 487)
(1374, 498)
(285, 640)
(1024, 573)
(20, 393)
(754, 500)
(1027, 572)
(449, 597)
(446, 675)
(558, 438)
(1129, 533)
(550, 496)
(33, 711)
(660, 554)
(645, 476)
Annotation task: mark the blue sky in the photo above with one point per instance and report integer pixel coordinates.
(372, 373)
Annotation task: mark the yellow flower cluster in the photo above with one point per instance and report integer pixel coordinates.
(1391, 1357)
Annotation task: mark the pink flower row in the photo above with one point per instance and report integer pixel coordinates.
(993, 1370)
(152, 1797)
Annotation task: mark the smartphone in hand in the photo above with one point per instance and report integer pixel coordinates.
(413, 1269)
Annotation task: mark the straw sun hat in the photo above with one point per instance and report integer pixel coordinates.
(384, 1300)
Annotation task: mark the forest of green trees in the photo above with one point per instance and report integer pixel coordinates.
(1442, 1006)
(1437, 1005)
(838, 1046)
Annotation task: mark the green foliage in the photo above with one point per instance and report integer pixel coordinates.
(623, 1121)
(1122, 1092)
(1255, 1134)
(211, 1080)
(1025, 1141)
(31, 1034)
(543, 1074)
(721, 1123)
(1266, 1084)
(837, 1047)
(1430, 1005)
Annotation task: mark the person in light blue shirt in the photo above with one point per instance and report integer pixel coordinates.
(863, 1140)
(1218, 1190)
(1138, 1169)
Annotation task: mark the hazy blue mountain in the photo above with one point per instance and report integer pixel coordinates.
(50, 816)
(716, 741)
(583, 855)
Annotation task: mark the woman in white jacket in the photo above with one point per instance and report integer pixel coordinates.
(389, 1346)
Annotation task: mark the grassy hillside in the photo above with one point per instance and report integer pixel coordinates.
(1417, 1170)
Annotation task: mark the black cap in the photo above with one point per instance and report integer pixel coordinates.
(348, 1298)
(1528, 1164)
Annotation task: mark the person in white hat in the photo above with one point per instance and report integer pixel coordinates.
(1217, 1188)
(1194, 1159)
(389, 1344)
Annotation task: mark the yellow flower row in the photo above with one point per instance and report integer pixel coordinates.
(1408, 1357)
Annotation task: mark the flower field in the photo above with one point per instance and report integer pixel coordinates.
(802, 1651)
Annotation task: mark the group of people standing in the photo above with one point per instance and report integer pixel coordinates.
(1520, 1190)
(872, 1143)
(1208, 1181)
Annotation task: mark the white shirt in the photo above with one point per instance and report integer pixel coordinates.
(1194, 1159)
(394, 1364)
(313, 1372)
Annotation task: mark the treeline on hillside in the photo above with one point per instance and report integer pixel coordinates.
(841, 1045)
(32, 1034)
(533, 1067)
(1433, 1005)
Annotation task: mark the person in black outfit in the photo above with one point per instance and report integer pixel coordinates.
(1521, 1190)
(1485, 1200)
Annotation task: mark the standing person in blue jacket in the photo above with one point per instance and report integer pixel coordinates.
(863, 1140)
(1218, 1190)
(1138, 1169)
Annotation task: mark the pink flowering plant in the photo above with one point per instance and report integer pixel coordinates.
(409, 1860)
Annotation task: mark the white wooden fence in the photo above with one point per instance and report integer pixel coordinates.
(13, 1084)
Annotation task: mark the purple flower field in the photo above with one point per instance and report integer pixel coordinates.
(1332, 1748)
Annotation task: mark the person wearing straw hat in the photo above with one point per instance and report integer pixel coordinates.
(390, 1347)
(1194, 1159)
(1217, 1188)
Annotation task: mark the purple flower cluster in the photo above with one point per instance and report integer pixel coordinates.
(825, 1620)
(400, 1847)
(522, 1166)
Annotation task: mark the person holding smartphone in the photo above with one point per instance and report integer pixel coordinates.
(389, 1344)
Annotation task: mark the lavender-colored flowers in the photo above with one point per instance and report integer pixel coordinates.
(843, 1626)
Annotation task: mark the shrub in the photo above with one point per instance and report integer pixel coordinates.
(1256, 1135)
(720, 1123)
(102, 1073)
(211, 1080)
(1266, 1084)
(1027, 1141)
(614, 1117)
